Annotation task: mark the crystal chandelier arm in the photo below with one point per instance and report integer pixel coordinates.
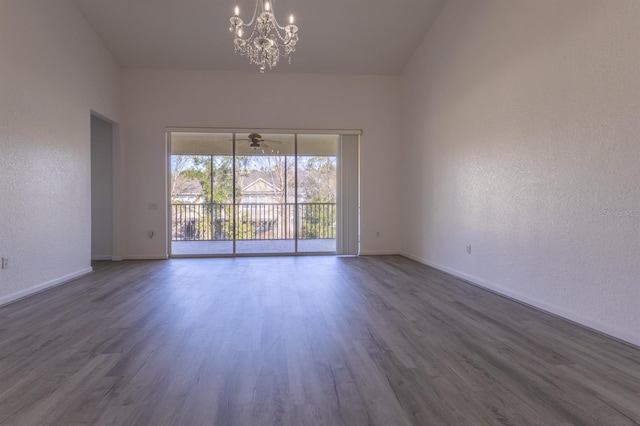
(254, 33)
(287, 37)
(275, 20)
(277, 25)
(255, 14)
(280, 37)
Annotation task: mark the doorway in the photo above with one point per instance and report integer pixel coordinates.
(249, 193)
(101, 189)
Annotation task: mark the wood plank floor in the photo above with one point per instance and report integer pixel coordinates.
(301, 341)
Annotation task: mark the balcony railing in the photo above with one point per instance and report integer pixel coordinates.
(259, 221)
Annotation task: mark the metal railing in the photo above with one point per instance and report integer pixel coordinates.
(254, 221)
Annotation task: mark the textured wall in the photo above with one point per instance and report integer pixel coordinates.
(53, 72)
(155, 99)
(521, 123)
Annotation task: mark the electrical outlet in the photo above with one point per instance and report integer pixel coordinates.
(469, 249)
(5, 263)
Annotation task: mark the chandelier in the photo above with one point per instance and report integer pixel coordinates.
(266, 40)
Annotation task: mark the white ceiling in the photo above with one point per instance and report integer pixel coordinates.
(336, 36)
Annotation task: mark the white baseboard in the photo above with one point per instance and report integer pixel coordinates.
(5, 300)
(102, 257)
(534, 303)
(116, 258)
(380, 253)
(145, 257)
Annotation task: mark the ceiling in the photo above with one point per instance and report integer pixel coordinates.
(336, 36)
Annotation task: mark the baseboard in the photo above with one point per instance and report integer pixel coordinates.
(145, 257)
(380, 253)
(102, 257)
(5, 300)
(534, 303)
(107, 257)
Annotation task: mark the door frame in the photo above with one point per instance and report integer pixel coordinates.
(234, 131)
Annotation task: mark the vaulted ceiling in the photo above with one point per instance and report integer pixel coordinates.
(336, 36)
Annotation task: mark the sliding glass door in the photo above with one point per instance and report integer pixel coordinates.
(317, 188)
(249, 193)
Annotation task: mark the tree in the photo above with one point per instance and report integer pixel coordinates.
(317, 179)
(179, 164)
(318, 190)
(211, 216)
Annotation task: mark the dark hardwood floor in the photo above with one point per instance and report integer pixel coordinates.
(301, 341)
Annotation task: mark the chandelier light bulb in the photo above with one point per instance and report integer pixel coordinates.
(267, 6)
(291, 19)
(237, 11)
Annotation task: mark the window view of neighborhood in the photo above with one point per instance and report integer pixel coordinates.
(280, 199)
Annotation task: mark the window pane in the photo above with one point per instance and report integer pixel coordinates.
(317, 179)
(265, 221)
(201, 193)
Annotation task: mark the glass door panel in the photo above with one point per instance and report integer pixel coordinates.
(202, 219)
(317, 180)
(265, 213)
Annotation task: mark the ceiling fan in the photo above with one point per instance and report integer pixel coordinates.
(255, 141)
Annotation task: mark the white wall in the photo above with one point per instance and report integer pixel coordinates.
(522, 123)
(156, 99)
(53, 71)
(101, 189)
